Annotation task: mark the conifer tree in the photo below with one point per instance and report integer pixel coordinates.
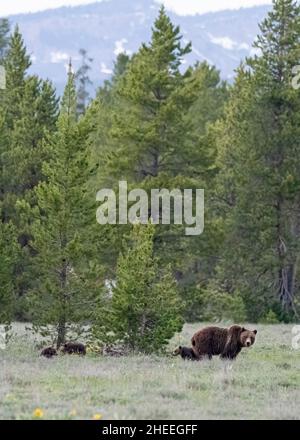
(120, 66)
(150, 127)
(16, 63)
(29, 111)
(83, 82)
(66, 283)
(145, 310)
(145, 133)
(153, 98)
(259, 161)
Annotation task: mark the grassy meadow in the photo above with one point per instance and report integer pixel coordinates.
(263, 383)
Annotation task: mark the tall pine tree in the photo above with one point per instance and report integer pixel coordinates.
(259, 154)
(29, 111)
(83, 82)
(67, 278)
(145, 129)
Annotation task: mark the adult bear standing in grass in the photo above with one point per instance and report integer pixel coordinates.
(214, 341)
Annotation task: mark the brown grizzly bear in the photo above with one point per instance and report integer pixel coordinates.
(214, 341)
(49, 352)
(74, 348)
(186, 353)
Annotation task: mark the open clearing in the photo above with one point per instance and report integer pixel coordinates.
(263, 383)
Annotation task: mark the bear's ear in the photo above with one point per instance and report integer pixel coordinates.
(243, 329)
(255, 332)
(179, 348)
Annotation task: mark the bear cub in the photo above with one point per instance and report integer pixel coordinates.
(186, 353)
(74, 348)
(49, 352)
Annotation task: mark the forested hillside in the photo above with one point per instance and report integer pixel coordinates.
(156, 123)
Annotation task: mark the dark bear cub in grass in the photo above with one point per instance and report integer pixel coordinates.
(49, 352)
(74, 348)
(186, 353)
(214, 341)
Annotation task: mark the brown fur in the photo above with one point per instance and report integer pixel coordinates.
(74, 348)
(49, 352)
(215, 341)
(186, 353)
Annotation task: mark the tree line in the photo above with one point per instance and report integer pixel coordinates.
(156, 124)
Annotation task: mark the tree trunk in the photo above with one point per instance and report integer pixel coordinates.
(287, 270)
(62, 323)
(61, 332)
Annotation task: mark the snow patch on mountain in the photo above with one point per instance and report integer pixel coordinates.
(58, 57)
(229, 44)
(105, 69)
(225, 42)
(120, 47)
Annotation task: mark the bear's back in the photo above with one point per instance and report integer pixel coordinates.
(210, 341)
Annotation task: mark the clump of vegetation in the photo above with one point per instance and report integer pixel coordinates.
(145, 308)
(217, 306)
(270, 318)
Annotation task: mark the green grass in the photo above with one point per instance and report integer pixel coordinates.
(263, 383)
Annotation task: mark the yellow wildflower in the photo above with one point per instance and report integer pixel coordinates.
(97, 416)
(38, 413)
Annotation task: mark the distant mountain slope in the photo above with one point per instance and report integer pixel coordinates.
(109, 27)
